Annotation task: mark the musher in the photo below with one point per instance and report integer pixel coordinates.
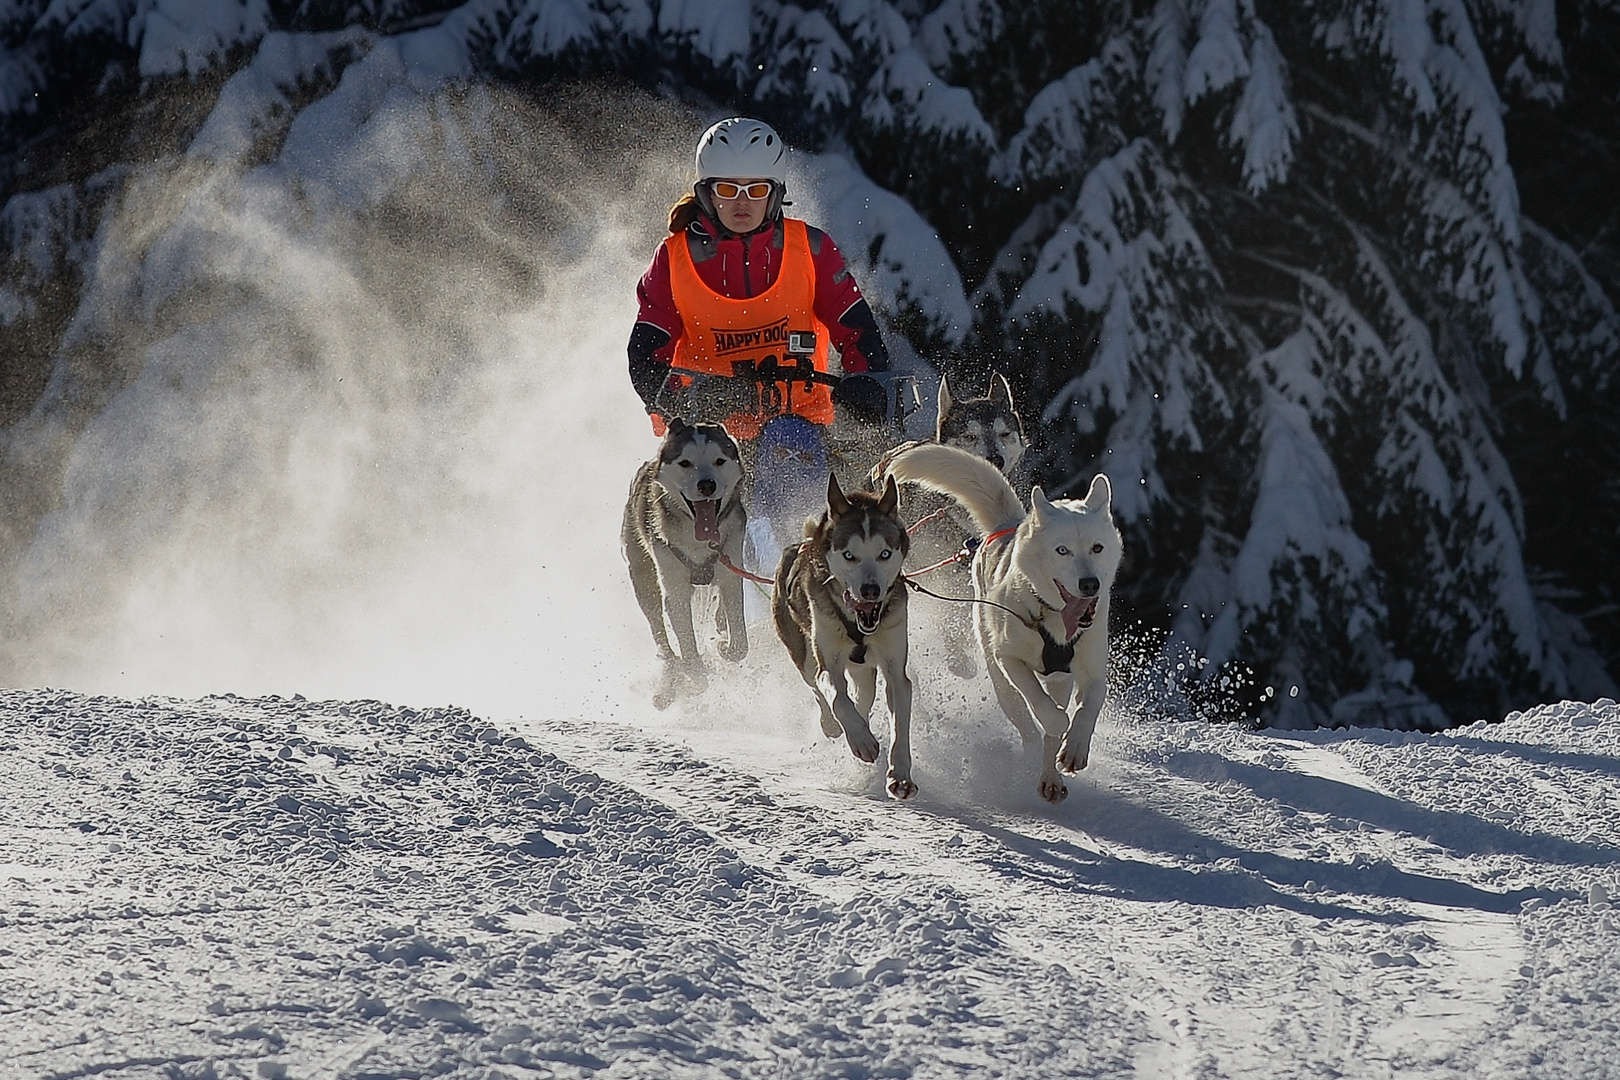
(739, 311)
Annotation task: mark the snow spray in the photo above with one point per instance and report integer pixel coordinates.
(359, 420)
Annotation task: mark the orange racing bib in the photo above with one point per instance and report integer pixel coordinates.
(730, 337)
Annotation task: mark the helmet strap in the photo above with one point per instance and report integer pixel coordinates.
(705, 200)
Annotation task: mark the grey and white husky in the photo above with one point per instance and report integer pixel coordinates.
(1044, 583)
(839, 604)
(987, 427)
(684, 512)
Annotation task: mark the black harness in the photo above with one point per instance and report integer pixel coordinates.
(1056, 655)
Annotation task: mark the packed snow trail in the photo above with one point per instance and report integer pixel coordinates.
(278, 887)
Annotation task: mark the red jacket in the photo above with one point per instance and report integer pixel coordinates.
(740, 267)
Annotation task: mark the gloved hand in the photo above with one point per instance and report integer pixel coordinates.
(709, 399)
(862, 398)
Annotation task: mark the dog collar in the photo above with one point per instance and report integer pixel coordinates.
(973, 543)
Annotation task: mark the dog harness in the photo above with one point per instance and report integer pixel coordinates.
(1056, 655)
(749, 339)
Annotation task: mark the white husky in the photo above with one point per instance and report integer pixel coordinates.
(1042, 577)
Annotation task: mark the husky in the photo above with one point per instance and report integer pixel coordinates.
(1041, 578)
(685, 512)
(988, 427)
(839, 604)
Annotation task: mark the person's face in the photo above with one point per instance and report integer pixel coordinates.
(740, 213)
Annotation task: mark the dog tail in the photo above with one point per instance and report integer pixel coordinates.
(969, 479)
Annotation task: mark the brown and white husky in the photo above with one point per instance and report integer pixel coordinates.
(839, 604)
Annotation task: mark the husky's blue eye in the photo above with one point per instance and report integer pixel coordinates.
(885, 553)
(1062, 550)
(849, 556)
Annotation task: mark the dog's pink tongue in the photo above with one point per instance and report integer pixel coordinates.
(1076, 609)
(706, 514)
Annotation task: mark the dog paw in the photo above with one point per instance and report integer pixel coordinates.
(901, 787)
(1054, 791)
(1072, 759)
(863, 745)
(830, 728)
(963, 666)
(669, 689)
(733, 652)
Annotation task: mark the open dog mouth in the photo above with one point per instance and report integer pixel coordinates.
(705, 519)
(868, 613)
(1078, 611)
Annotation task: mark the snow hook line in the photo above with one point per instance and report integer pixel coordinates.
(925, 519)
(915, 587)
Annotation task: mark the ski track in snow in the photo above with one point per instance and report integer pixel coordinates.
(284, 888)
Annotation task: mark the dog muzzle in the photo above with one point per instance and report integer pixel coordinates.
(868, 613)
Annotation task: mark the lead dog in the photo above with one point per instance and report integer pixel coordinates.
(1044, 576)
(839, 604)
(685, 511)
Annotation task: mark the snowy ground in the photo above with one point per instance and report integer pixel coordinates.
(280, 887)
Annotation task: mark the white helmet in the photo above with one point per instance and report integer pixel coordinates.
(740, 148)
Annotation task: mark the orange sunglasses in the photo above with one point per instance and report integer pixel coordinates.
(725, 189)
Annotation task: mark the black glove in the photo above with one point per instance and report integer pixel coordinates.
(862, 398)
(710, 399)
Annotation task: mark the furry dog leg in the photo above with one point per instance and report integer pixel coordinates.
(1076, 753)
(730, 620)
(897, 685)
(857, 732)
(644, 582)
(1053, 718)
(678, 609)
(1013, 705)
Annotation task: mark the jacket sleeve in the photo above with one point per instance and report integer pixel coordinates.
(840, 305)
(658, 327)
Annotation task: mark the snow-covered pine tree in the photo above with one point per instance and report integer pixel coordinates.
(1337, 213)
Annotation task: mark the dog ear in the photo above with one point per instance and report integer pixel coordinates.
(1001, 392)
(890, 501)
(945, 402)
(837, 504)
(726, 440)
(1101, 494)
(1039, 504)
